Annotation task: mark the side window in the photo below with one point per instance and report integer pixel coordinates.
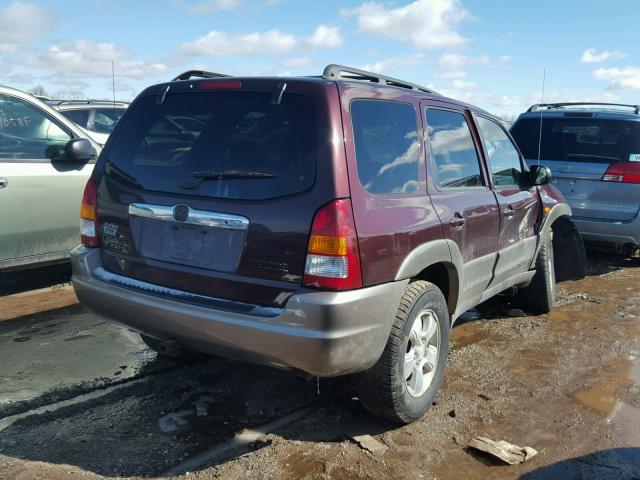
(387, 147)
(105, 119)
(79, 117)
(502, 156)
(26, 133)
(454, 158)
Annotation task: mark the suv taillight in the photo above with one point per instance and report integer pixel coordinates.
(623, 172)
(89, 215)
(333, 256)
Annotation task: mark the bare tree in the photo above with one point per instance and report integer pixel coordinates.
(39, 91)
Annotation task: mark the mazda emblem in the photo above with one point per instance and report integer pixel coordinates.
(181, 212)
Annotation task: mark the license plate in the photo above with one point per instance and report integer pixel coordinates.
(185, 243)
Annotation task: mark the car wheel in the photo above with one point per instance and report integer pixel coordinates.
(540, 295)
(171, 349)
(402, 385)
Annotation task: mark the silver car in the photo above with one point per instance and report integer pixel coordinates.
(96, 117)
(45, 162)
(593, 151)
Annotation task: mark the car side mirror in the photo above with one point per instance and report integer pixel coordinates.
(540, 175)
(79, 150)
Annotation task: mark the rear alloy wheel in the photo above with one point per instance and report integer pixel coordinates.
(540, 295)
(402, 385)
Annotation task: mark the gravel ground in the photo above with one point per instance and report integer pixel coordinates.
(566, 384)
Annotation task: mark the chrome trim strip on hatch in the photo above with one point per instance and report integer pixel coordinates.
(192, 216)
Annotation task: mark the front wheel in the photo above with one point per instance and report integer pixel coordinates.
(402, 385)
(540, 295)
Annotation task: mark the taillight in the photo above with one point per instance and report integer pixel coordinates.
(623, 172)
(89, 215)
(333, 256)
(220, 85)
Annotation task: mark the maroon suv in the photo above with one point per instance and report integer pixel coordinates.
(334, 224)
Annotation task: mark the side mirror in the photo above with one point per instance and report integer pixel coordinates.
(540, 175)
(79, 150)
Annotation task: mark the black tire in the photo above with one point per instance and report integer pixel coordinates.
(540, 295)
(171, 349)
(383, 390)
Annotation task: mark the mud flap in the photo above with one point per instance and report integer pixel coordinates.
(568, 251)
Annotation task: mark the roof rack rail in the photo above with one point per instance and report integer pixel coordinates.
(87, 101)
(337, 72)
(198, 74)
(549, 106)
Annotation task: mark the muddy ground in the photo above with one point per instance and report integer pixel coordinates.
(81, 398)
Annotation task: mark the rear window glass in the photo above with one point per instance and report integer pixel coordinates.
(105, 119)
(578, 139)
(218, 144)
(387, 147)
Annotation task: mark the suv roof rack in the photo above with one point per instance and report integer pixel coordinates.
(549, 106)
(83, 102)
(337, 72)
(198, 74)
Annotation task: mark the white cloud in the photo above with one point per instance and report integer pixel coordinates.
(218, 44)
(456, 61)
(21, 23)
(627, 78)
(326, 37)
(296, 62)
(426, 24)
(390, 64)
(452, 75)
(208, 6)
(591, 55)
(505, 58)
(85, 57)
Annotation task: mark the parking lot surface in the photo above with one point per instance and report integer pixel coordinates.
(82, 398)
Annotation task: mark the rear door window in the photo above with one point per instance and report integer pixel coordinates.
(575, 139)
(387, 147)
(502, 155)
(454, 159)
(79, 116)
(218, 144)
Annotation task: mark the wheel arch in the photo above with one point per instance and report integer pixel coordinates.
(438, 262)
(567, 244)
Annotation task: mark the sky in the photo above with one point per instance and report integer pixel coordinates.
(491, 53)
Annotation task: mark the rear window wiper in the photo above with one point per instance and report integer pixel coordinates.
(231, 174)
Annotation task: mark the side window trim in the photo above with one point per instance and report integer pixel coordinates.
(478, 149)
(523, 165)
(46, 115)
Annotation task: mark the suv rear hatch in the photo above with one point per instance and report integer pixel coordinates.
(210, 187)
(580, 149)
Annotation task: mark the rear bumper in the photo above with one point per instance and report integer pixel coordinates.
(322, 333)
(615, 233)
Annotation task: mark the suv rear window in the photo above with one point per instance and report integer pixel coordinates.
(578, 139)
(219, 144)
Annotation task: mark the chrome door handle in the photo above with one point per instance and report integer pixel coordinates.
(3, 182)
(457, 221)
(508, 212)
